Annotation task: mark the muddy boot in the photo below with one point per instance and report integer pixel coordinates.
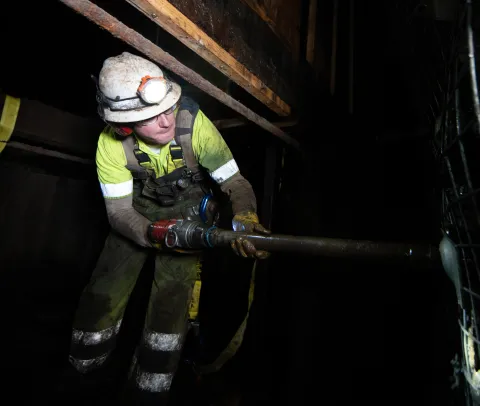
(92, 388)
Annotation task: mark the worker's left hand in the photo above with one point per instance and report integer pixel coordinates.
(248, 221)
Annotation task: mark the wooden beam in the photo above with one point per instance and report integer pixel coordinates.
(48, 152)
(155, 53)
(237, 29)
(239, 122)
(312, 24)
(48, 126)
(174, 22)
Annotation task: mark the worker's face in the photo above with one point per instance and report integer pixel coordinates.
(158, 130)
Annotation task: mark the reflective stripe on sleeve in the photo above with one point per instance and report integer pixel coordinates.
(225, 172)
(117, 190)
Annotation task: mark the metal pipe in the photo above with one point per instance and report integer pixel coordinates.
(312, 25)
(148, 48)
(333, 58)
(472, 62)
(193, 234)
(329, 247)
(351, 40)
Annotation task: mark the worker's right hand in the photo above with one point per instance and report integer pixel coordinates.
(248, 221)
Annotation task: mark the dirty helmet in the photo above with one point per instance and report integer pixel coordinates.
(131, 88)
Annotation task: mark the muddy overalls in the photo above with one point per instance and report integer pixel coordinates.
(103, 302)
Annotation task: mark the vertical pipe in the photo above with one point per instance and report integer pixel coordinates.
(269, 184)
(312, 20)
(471, 58)
(351, 57)
(333, 59)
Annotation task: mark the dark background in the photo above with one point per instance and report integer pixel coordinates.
(322, 331)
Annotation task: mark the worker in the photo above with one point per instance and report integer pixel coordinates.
(154, 161)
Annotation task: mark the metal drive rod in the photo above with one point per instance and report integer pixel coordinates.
(329, 247)
(154, 52)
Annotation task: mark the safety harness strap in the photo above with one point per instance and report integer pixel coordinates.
(183, 132)
(128, 146)
(133, 164)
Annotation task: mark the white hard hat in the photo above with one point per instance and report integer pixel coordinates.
(131, 88)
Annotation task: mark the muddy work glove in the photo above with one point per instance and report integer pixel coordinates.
(248, 221)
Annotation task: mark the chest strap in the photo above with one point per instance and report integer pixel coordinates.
(187, 113)
(130, 146)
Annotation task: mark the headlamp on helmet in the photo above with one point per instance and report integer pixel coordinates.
(152, 90)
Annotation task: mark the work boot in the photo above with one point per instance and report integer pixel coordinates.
(92, 388)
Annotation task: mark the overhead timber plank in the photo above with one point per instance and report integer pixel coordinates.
(46, 125)
(243, 34)
(131, 37)
(239, 122)
(173, 21)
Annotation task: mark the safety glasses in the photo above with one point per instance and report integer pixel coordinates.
(126, 129)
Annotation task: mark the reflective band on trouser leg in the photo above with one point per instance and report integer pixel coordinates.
(158, 354)
(93, 348)
(8, 119)
(103, 302)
